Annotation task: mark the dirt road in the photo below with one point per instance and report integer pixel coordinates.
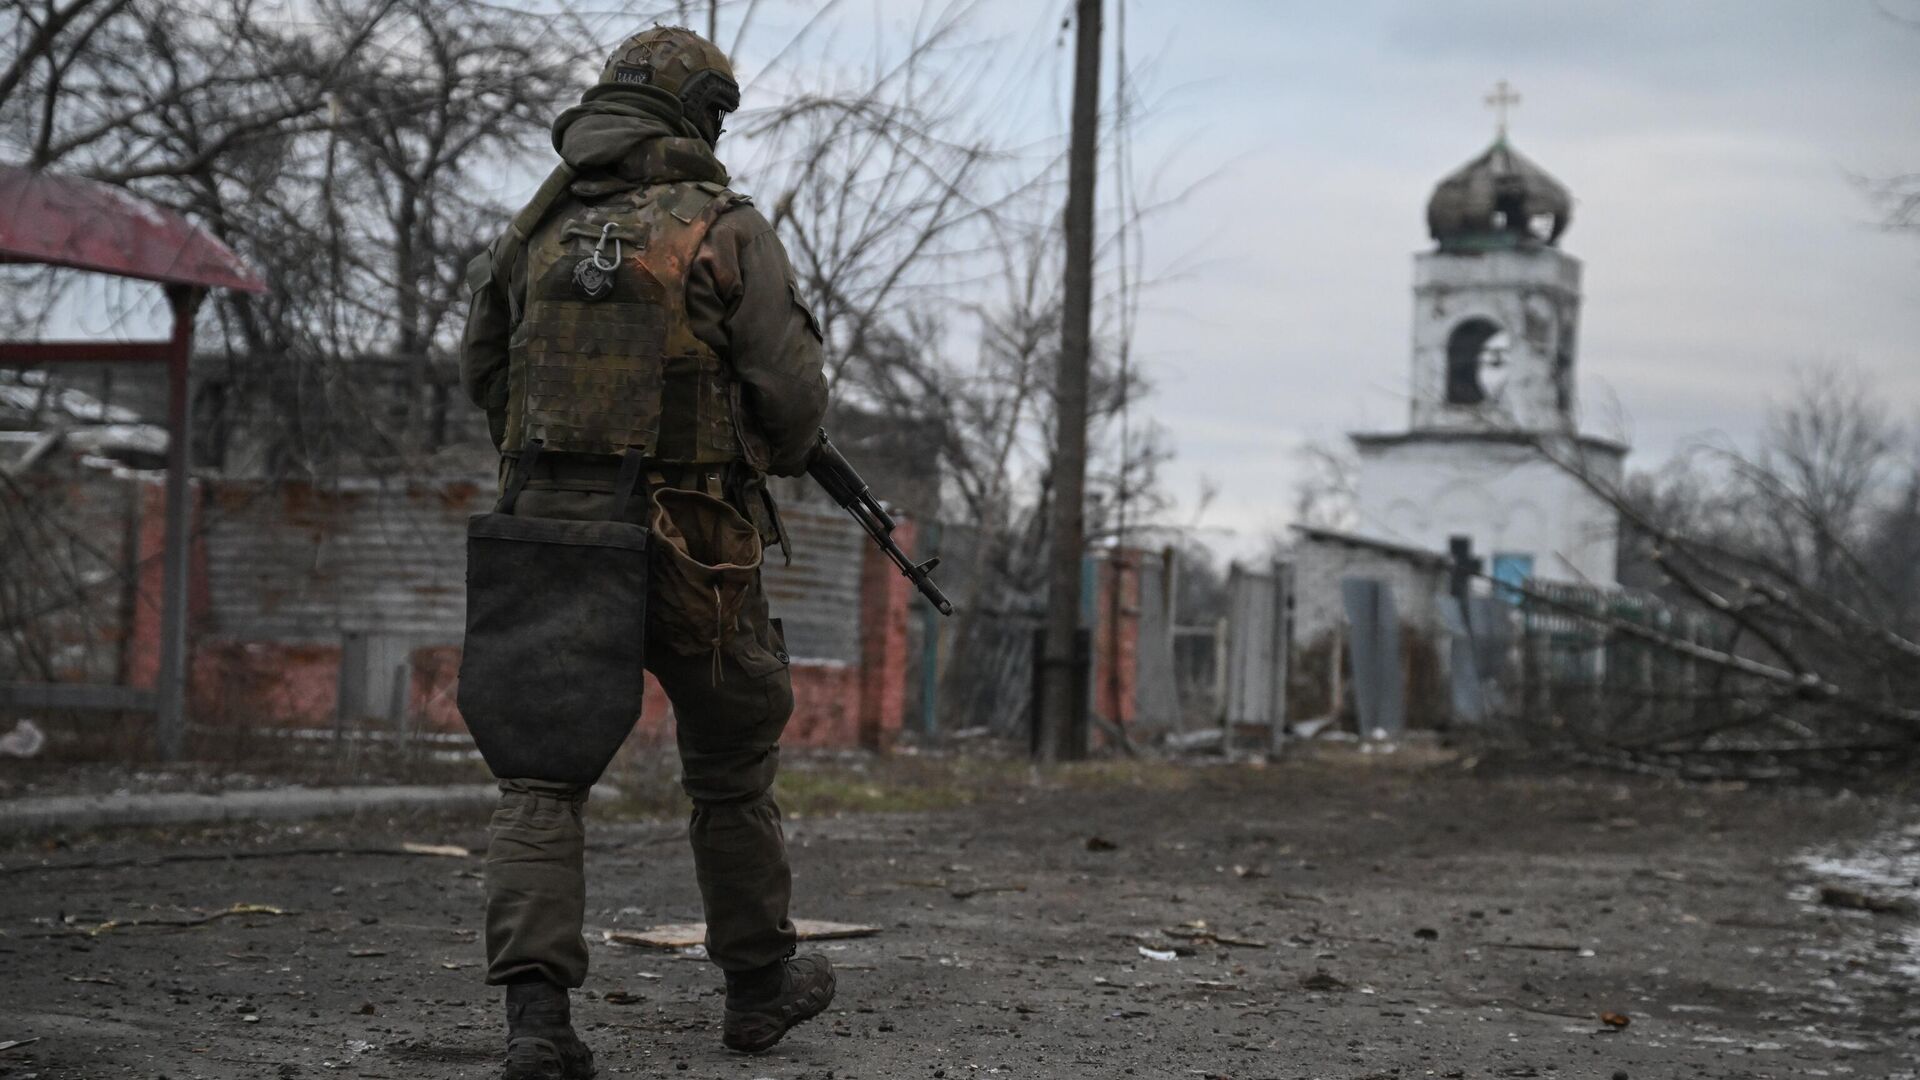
(1340, 918)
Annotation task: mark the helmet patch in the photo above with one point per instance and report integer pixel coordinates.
(633, 74)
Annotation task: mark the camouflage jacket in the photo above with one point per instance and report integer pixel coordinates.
(742, 301)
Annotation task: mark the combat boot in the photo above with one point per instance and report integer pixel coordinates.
(541, 1044)
(762, 1005)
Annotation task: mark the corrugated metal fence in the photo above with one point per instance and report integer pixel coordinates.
(292, 563)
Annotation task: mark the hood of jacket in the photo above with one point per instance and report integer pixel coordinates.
(623, 137)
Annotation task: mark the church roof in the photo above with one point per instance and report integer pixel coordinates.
(1500, 199)
(1374, 439)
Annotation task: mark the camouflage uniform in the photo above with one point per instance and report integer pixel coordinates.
(703, 281)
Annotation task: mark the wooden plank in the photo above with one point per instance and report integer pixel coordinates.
(687, 935)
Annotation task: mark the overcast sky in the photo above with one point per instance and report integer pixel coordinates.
(1709, 147)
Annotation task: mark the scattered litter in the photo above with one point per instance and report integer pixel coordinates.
(364, 953)
(1199, 741)
(182, 924)
(1615, 1020)
(24, 741)
(1321, 981)
(1539, 946)
(98, 980)
(688, 935)
(1427, 933)
(1839, 896)
(1158, 954)
(1249, 872)
(1198, 931)
(446, 851)
(455, 965)
(962, 892)
(359, 1046)
(1101, 843)
(621, 997)
(11, 1043)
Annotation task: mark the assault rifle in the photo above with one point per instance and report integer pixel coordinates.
(847, 489)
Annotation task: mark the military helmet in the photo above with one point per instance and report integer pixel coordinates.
(684, 64)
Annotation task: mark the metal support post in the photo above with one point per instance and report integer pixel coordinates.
(171, 686)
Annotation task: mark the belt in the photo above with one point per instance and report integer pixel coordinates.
(597, 472)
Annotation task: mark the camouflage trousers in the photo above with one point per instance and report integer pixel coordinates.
(728, 734)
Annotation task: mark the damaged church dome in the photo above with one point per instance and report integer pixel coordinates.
(1498, 200)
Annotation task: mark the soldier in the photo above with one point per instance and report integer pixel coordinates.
(639, 303)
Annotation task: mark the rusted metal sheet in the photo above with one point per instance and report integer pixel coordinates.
(297, 564)
(68, 221)
(293, 563)
(817, 599)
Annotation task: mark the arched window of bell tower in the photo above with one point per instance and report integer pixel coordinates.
(1476, 361)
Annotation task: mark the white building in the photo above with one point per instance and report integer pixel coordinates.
(1496, 309)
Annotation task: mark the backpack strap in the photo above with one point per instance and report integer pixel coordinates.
(517, 473)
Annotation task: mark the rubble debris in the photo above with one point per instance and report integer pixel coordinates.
(1615, 1020)
(1840, 896)
(1540, 946)
(183, 924)
(24, 741)
(962, 892)
(621, 997)
(1101, 843)
(691, 935)
(11, 1043)
(1203, 741)
(1199, 931)
(1323, 982)
(1158, 954)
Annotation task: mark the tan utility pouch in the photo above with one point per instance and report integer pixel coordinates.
(706, 559)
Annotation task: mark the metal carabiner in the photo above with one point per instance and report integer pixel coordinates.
(605, 232)
(593, 275)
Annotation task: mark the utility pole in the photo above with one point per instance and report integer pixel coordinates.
(1061, 737)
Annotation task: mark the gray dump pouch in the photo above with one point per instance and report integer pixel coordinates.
(553, 667)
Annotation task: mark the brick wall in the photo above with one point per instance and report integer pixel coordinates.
(282, 573)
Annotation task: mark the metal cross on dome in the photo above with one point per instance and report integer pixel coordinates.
(1503, 98)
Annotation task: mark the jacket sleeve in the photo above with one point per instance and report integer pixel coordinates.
(743, 301)
(483, 349)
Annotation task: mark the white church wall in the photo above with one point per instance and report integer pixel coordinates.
(1421, 492)
(1320, 564)
(1533, 294)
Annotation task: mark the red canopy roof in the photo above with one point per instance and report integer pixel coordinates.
(87, 225)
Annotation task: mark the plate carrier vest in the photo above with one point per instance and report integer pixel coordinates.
(624, 370)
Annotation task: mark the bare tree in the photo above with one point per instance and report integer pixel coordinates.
(1787, 582)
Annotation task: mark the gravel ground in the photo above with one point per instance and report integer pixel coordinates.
(1342, 917)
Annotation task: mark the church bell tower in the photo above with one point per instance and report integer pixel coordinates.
(1496, 303)
(1496, 308)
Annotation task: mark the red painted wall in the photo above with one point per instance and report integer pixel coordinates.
(247, 684)
(1116, 671)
